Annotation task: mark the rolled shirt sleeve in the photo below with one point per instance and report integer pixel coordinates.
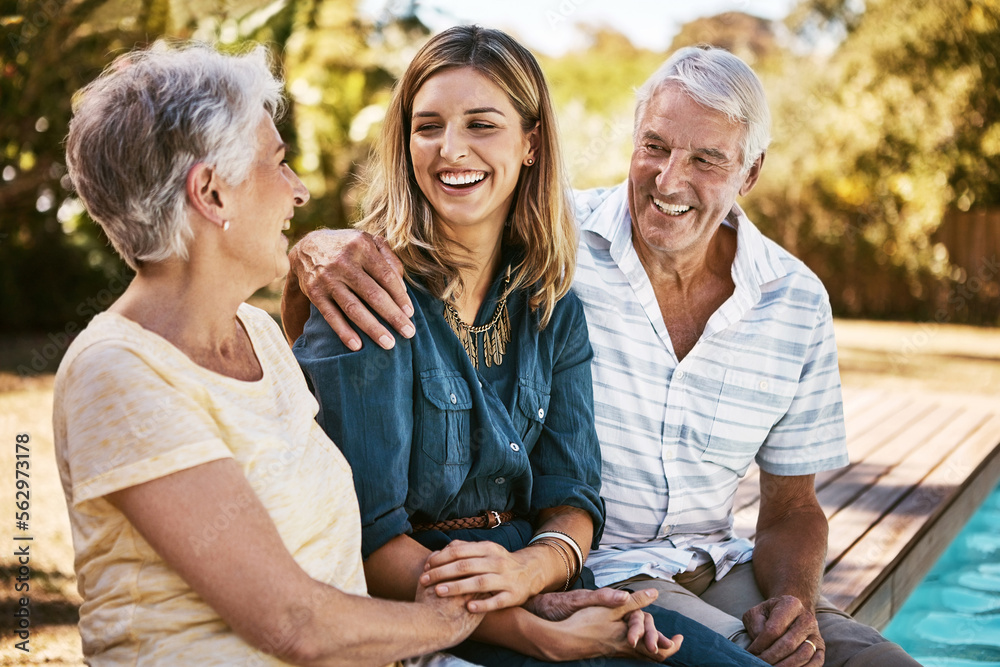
(566, 459)
(810, 437)
(116, 428)
(365, 400)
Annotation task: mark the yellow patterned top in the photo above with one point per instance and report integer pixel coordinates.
(129, 408)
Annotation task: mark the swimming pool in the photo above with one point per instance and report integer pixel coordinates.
(952, 619)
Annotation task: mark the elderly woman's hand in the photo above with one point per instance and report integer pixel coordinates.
(452, 610)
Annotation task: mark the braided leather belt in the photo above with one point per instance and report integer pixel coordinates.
(488, 519)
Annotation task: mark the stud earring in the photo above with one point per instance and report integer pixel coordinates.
(531, 161)
(225, 225)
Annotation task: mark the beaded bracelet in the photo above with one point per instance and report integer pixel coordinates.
(562, 555)
(569, 541)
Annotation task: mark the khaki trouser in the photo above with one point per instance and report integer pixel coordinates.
(720, 606)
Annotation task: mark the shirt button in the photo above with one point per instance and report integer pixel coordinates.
(541, 413)
(480, 385)
(763, 384)
(454, 399)
(516, 447)
(679, 375)
(500, 480)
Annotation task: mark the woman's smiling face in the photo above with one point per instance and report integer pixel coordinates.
(467, 148)
(264, 205)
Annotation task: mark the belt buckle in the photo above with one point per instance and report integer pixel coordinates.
(492, 518)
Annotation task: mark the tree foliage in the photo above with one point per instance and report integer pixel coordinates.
(53, 258)
(886, 119)
(593, 91)
(877, 141)
(749, 37)
(48, 51)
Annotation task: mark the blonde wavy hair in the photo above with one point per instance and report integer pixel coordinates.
(541, 222)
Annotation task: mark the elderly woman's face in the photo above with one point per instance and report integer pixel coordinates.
(266, 202)
(467, 148)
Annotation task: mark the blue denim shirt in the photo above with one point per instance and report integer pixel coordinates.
(431, 438)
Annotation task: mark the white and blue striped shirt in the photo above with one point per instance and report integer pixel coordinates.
(762, 383)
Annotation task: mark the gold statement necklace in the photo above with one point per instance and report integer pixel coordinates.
(496, 334)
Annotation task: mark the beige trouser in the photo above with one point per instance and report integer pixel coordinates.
(720, 605)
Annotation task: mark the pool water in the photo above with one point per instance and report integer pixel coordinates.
(952, 619)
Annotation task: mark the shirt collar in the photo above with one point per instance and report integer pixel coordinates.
(756, 263)
(604, 212)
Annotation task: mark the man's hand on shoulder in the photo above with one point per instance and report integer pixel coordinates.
(346, 274)
(785, 632)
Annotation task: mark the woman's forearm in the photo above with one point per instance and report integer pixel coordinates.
(329, 627)
(518, 630)
(254, 584)
(588, 633)
(576, 524)
(393, 570)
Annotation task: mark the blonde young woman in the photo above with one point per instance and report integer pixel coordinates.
(473, 446)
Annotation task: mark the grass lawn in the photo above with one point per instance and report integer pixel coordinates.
(942, 358)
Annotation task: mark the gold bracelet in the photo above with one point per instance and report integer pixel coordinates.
(568, 540)
(571, 541)
(562, 548)
(562, 555)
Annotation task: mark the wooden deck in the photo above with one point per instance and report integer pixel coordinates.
(920, 466)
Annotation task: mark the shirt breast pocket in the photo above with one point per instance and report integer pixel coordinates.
(749, 405)
(532, 408)
(446, 415)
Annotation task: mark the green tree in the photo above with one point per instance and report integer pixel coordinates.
(593, 92)
(49, 49)
(340, 72)
(876, 141)
(56, 267)
(749, 37)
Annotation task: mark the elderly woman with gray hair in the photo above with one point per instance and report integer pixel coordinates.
(213, 521)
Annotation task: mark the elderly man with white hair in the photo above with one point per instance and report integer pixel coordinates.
(713, 348)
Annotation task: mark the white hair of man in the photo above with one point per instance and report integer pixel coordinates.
(718, 80)
(140, 127)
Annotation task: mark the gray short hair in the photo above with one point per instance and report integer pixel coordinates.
(718, 80)
(139, 128)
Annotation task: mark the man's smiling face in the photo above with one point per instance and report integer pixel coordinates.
(685, 174)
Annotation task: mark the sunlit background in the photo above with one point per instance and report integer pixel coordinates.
(884, 172)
